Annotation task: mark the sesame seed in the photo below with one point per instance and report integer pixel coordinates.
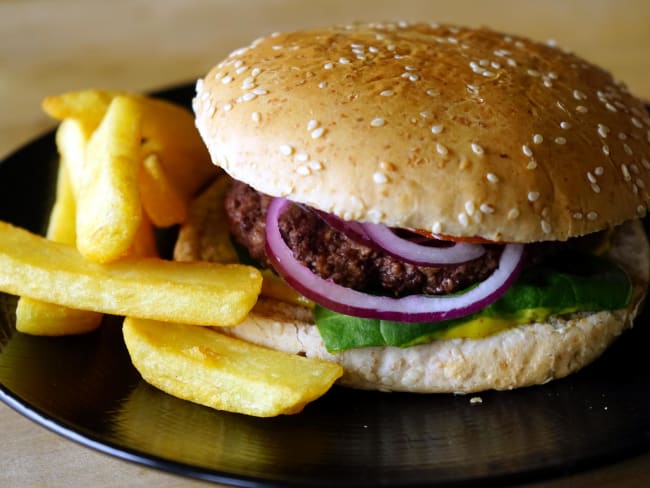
(328, 66)
(546, 227)
(286, 149)
(227, 107)
(477, 149)
(303, 170)
(442, 150)
(560, 140)
(599, 170)
(462, 219)
(552, 75)
(645, 163)
(437, 129)
(527, 150)
(484, 62)
(610, 107)
(436, 228)
(379, 178)
(578, 95)
(595, 187)
(513, 213)
(315, 165)
(538, 138)
(533, 196)
(582, 109)
(512, 62)
(639, 182)
(532, 164)
(322, 84)
(425, 115)
(622, 136)
(247, 97)
(260, 91)
(533, 72)
(470, 208)
(312, 124)
(605, 150)
(256, 117)
(255, 71)
(316, 133)
(602, 130)
(577, 216)
(641, 210)
(628, 150)
(565, 125)
(433, 93)
(492, 178)
(344, 60)
(241, 69)
(637, 123)
(548, 83)
(592, 215)
(377, 122)
(486, 209)
(626, 172)
(387, 93)
(226, 79)
(591, 177)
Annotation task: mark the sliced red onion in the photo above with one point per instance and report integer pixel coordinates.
(352, 230)
(413, 308)
(415, 253)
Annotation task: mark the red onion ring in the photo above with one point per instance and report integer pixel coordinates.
(413, 308)
(352, 230)
(412, 252)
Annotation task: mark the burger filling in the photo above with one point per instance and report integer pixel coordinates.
(557, 278)
(330, 254)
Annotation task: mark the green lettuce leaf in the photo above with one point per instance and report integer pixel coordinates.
(565, 284)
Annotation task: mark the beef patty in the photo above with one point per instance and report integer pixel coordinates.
(332, 255)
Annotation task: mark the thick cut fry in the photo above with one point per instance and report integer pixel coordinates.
(71, 141)
(205, 367)
(41, 318)
(200, 293)
(167, 129)
(86, 106)
(109, 210)
(160, 199)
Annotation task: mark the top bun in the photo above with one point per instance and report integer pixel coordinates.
(458, 131)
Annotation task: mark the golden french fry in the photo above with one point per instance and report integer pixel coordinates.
(200, 293)
(200, 365)
(71, 141)
(167, 129)
(160, 199)
(41, 318)
(86, 106)
(109, 210)
(144, 243)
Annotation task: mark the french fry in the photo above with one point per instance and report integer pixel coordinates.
(160, 199)
(167, 129)
(200, 365)
(41, 318)
(109, 210)
(71, 141)
(199, 293)
(86, 106)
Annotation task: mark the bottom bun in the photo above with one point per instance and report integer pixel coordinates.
(520, 356)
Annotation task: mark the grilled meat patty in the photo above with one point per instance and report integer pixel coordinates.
(332, 255)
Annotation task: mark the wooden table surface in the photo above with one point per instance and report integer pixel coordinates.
(48, 47)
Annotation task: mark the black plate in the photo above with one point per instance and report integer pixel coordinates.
(86, 389)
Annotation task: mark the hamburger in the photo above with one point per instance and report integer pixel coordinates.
(453, 209)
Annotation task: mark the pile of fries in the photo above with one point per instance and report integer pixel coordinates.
(129, 164)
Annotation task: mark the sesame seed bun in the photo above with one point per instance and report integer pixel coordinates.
(463, 132)
(519, 356)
